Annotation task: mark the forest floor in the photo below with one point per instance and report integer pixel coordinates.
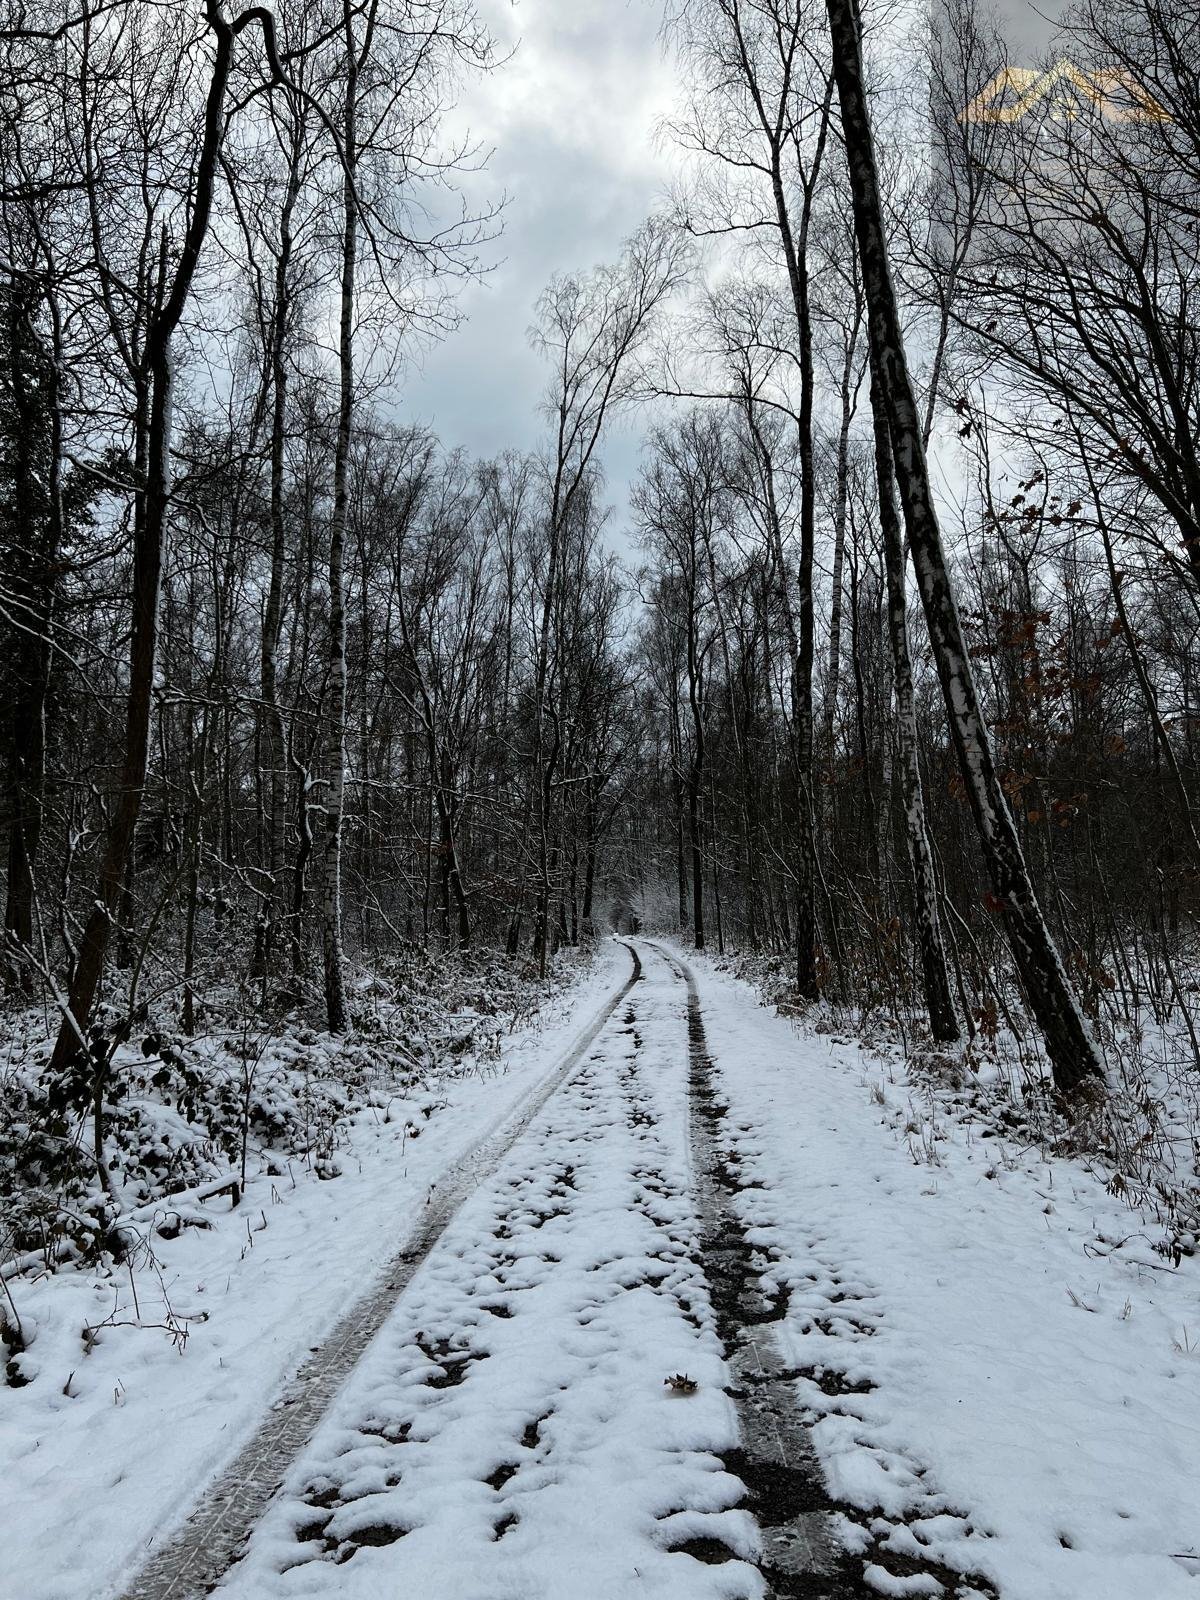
(696, 1303)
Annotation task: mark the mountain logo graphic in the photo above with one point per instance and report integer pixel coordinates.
(1067, 90)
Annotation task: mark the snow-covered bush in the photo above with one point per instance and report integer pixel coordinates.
(149, 1112)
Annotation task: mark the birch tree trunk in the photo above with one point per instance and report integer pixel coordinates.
(1073, 1053)
(936, 980)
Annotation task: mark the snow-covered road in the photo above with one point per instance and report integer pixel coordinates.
(721, 1309)
(511, 1433)
(582, 1390)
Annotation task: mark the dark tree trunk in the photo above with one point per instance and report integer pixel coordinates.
(694, 827)
(1074, 1057)
(35, 540)
(150, 530)
(271, 855)
(935, 978)
(337, 1013)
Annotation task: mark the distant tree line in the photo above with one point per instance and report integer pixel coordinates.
(279, 670)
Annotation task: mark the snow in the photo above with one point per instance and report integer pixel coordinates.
(1028, 1375)
(533, 1350)
(1000, 1374)
(93, 1475)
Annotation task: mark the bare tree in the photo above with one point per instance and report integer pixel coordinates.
(680, 505)
(155, 372)
(939, 1003)
(392, 91)
(759, 113)
(1072, 1049)
(593, 329)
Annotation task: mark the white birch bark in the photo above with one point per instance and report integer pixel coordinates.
(1074, 1056)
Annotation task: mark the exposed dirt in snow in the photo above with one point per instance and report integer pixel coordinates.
(810, 1545)
(995, 1362)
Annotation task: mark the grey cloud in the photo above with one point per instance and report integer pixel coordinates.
(572, 119)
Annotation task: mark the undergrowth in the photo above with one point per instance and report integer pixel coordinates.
(149, 1112)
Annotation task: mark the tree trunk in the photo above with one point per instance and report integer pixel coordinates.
(589, 884)
(833, 676)
(694, 829)
(37, 537)
(800, 643)
(272, 852)
(696, 772)
(1074, 1057)
(197, 767)
(936, 980)
(150, 531)
(796, 258)
(304, 846)
(449, 848)
(335, 751)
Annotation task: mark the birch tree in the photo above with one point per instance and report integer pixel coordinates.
(1071, 1047)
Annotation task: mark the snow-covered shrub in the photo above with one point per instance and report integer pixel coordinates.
(254, 1088)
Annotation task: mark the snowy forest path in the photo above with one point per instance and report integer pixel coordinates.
(574, 1381)
(210, 1539)
(548, 1411)
(704, 1322)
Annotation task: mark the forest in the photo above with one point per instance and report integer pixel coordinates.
(291, 686)
(882, 689)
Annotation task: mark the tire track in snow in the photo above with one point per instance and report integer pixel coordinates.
(802, 1556)
(199, 1553)
(775, 1459)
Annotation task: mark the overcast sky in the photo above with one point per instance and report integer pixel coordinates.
(572, 119)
